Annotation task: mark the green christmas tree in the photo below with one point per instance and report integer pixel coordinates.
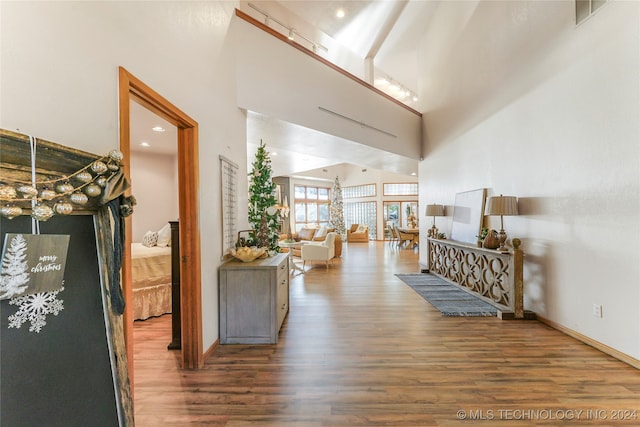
(336, 214)
(262, 201)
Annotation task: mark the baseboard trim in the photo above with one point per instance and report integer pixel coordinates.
(211, 349)
(593, 343)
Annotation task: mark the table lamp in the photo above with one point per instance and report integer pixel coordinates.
(502, 205)
(434, 211)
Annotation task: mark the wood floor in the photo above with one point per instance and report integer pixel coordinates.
(360, 348)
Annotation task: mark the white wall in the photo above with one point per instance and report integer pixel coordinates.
(335, 53)
(59, 79)
(528, 104)
(275, 79)
(154, 184)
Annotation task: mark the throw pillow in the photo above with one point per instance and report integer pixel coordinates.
(306, 233)
(361, 228)
(164, 236)
(150, 239)
(320, 233)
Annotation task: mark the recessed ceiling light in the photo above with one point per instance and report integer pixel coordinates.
(157, 129)
(340, 13)
(413, 174)
(145, 144)
(274, 153)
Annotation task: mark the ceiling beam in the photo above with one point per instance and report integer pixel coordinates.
(390, 22)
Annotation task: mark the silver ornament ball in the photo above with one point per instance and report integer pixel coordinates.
(7, 192)
(10, 212)
(116, 155)
(41, 212)
(47, 194)
(63, 208)
(98, 167)
(84, 177)
(28, 191)
(92, 190)
(64, 188)
(79, 198)
(101, 181)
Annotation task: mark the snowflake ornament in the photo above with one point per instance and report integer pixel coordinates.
(35, 308)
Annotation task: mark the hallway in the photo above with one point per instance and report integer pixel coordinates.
(360, 348)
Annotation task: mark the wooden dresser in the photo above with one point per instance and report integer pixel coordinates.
(254, 300)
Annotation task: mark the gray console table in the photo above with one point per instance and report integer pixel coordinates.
(254, 300)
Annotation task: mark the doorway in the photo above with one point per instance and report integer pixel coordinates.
(133, 89)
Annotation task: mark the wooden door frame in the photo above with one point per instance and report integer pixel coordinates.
(133, 89)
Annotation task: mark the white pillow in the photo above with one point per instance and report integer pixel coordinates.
(150, 239)
(321, 232)
(361, 228)
(164, 236)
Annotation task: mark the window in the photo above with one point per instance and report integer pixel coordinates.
(400, 189)
(311, 206)
(362, 213)
(366, 190)
(398, 213)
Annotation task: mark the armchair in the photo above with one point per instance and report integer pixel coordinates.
(319, 251)
(358, 233)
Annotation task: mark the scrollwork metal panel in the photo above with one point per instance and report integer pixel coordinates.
(488, 274)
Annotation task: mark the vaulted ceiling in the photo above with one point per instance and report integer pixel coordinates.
(387, 31)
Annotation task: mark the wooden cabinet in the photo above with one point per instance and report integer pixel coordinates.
(254, 300)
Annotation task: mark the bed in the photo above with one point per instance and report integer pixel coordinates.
(151, 273)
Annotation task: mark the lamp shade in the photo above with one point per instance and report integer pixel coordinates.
(435, 210)
(502, 205)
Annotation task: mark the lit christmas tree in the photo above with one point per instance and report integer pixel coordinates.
(336, 214)
(262, 201)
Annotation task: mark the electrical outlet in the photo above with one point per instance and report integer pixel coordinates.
(597, 310)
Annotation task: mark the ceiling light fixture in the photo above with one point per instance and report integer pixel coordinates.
(340, 13)
(145, 144)
(395, 89)
(290, 30)
(157, 129)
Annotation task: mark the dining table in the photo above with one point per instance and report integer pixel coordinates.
(415, 232)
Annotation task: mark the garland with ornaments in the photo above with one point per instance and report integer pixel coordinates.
(59, 196)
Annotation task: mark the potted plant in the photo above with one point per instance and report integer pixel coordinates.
(482, 235)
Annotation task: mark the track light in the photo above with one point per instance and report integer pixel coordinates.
(268, 19)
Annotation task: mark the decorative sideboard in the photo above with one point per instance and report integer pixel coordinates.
(254, 300)
(491, 275)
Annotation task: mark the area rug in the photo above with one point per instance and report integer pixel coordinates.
(447, 298)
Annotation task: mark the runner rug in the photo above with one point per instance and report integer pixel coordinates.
(447, 298)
